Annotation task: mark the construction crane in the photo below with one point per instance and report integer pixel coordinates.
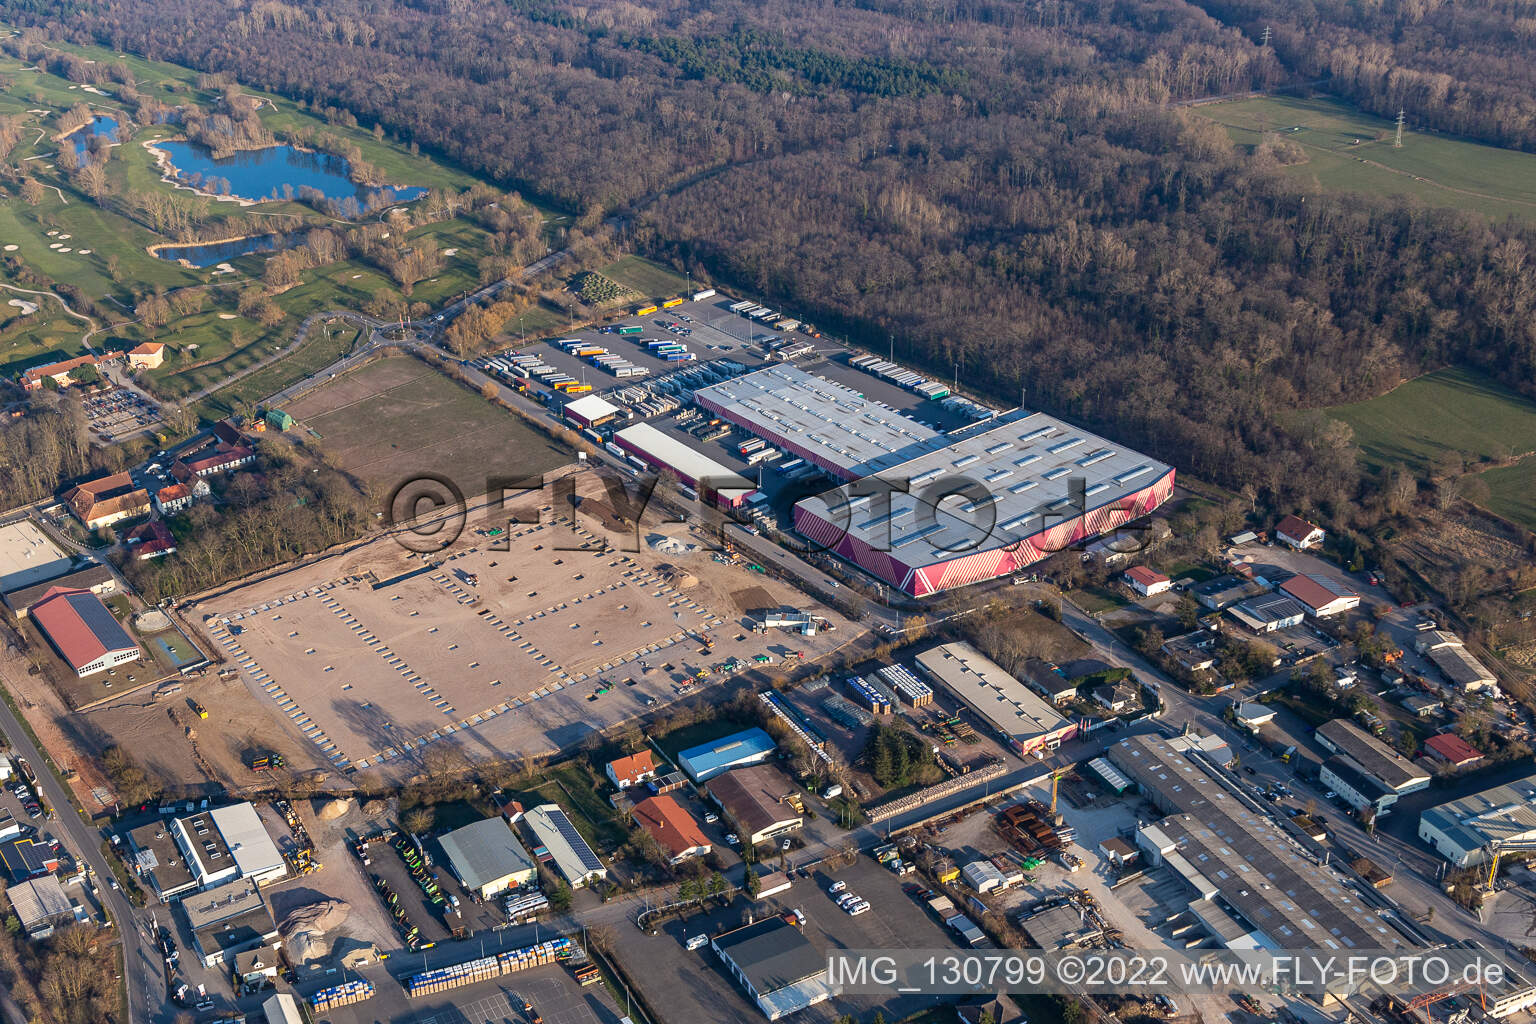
(1056, 774)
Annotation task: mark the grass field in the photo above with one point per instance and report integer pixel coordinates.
(1512, 492)
(1448, 410)
(1349, 150)
(575, 786)
(397, 418)
(648, 279)
(324, 348)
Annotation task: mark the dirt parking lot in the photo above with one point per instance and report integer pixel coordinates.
(518, 644)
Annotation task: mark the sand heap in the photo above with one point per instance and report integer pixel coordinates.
(670, 545)
(335, 809)
(303, 930)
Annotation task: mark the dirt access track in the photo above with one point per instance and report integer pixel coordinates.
(505, 646)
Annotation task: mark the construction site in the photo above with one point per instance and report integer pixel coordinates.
(521, 639)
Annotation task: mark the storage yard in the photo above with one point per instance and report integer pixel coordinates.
(527, 649)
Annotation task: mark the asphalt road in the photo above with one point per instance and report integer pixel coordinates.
(146, 989)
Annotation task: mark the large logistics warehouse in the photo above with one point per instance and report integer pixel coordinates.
(985, 500)
(663, 451)
(821, 421)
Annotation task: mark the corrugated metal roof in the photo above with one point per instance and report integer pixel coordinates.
(485, 852)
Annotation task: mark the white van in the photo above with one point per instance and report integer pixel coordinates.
(696, 942)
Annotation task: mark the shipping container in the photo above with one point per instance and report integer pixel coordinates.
(645, 311)
(672, 302)
(763, 455)
(707, 293)
(631, 330)
(750, 445)
(736, 307)
(789, 466)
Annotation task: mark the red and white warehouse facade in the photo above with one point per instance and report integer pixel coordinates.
(988, 563)
(927, 511)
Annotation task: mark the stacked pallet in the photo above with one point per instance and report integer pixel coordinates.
(485, 968)
(345, 994)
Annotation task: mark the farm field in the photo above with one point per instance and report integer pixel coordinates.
(1448, 410)
(397, 418)
(1512, 492)
(1349, 150)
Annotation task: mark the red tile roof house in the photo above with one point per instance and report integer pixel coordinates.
(632, 770)
(1453, 750)
(148, 356)
(104, 501)
(228, 433)
(172, 499)
(1298, 533)
(673, 828)
(83, 631)
(1146, 582)
(151, 540)
(33, 379)
(221, 462)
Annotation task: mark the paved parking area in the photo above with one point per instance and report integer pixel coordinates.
(689, 986)
(119, 413)
(385, 862)
(552, 993)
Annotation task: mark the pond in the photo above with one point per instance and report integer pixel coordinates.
(102, 126)
(211, 254)
(278, 172)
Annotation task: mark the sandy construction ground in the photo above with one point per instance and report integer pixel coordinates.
(154, 731)
(370, 655)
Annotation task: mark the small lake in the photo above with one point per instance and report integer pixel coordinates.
(277, 172)
(213, 253)
(102, 126)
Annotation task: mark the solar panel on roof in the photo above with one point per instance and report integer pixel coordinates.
(573, 839)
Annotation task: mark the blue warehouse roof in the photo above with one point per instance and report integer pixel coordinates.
(707, 760)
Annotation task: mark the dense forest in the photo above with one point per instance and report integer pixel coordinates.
(1007, 185)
